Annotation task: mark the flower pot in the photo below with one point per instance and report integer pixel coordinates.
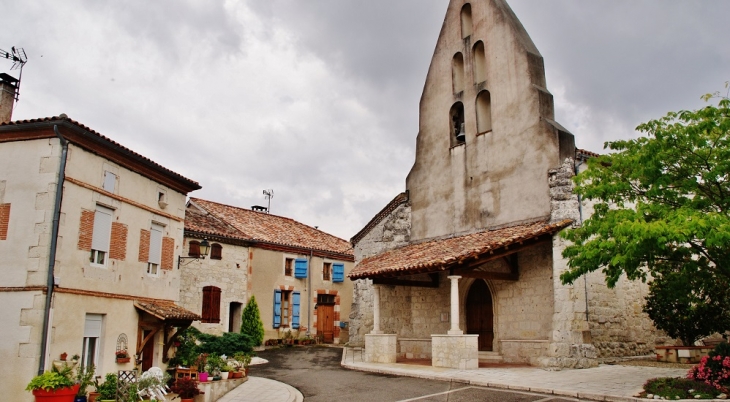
(235, 374)
(186, 400)
(93, 396)
(245, 372)
(224, 375)
(203, 377)
(80, 399)
(58, 395)
(121, 360)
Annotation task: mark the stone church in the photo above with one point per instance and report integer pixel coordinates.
(463, 267)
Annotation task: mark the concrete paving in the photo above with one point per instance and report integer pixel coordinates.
(604, 383)
(258, 389)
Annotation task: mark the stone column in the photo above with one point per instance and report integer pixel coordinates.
(455, 330)
(376, 311)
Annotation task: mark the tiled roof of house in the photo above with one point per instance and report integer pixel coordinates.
(166, 311)
(392, 205)
(239, 223)
(585, 153)
(13, 130)
(439, 254)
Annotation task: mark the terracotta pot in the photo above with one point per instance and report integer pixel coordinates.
(123, 359)
(93, 396)
(59, 395)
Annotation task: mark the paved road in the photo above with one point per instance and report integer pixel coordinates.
(317, 374)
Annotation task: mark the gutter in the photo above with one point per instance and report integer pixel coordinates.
(52, 255)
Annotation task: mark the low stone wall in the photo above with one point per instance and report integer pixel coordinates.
(523, 351)
(215, 390)
(414, 348)
(380, 348)
(455, 351)
(681, 354)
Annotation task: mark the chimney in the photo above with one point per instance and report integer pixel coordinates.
(8, 88)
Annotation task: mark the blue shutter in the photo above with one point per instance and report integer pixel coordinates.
(338, 272)
(277, 308)
(300, 268)
(295, 310)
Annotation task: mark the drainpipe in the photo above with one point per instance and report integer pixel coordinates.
(52, 254)
(309, 295)
(580, 218)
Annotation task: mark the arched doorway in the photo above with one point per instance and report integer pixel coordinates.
(480, 315)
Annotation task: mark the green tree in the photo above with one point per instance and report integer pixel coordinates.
(251, 323)
(662, 211)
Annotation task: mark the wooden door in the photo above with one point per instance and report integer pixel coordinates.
(148, 352)
(480, 315)
(326, 322)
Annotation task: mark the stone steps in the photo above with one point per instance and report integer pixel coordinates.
(490, 357)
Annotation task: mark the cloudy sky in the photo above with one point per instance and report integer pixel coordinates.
(318, 99)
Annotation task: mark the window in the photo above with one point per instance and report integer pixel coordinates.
(325, 299)
(300, 268)
(194, 248)
(457, 132)
(288, 266)
(286, 308)
(110, 181)
(101, 235)
(457, 73)
(92, 336)
(480, 63)
(211, 305)
(338, 272)
(326, 271)
(484, 112)
(155, 257)
(466, 24)
(216, 251)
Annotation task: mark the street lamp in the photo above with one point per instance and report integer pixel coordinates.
(203, 249)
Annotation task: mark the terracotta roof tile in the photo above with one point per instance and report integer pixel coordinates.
(239, 223)
(433, 255)
(166, 311)
(64, 118)
(585, 153)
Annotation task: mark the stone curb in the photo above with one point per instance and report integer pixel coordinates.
(539, 390)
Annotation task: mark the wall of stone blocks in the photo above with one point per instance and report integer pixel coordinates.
(414, 348)
(455, 351)
(392, 232)
(380, 348)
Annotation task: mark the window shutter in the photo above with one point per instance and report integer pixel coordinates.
(277, 308)
(300, 268)
(92, 326)
(295, 310)
(216, 252)
(205, 315)
(338, 272)
(215, 305)
(110, 179)
(102, 229)
(194, 250)
(155, 244)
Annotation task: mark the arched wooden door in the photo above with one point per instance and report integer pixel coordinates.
(479, 314)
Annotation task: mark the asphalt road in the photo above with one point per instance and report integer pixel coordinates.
(317, 374)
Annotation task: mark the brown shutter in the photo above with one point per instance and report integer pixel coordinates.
(216, 252)
(194, 249)
(205, 314)
(215, 305)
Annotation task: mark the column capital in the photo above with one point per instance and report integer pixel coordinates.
(453, 277)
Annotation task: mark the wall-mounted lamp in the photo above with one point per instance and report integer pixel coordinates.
(203, 249)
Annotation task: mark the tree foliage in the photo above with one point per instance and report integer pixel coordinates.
(251, 323)
(662, 210)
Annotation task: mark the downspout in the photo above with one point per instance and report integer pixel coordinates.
(54, 244)
(580, 218)
(309, 295)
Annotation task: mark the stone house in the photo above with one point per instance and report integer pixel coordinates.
(296, 272)
(463, 267)
(90, 232)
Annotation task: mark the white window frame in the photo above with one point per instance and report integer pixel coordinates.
(93, 329)
(101, 236)
(155, 250)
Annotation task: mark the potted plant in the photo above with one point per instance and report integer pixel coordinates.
(186, 389)
(202, 363)
(225, 371)
(215, 364)
(84, 377)
(108, 389)
(122, 356)
(53, 386)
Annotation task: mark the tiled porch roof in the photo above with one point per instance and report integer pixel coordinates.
(437, 255)
(166, 311)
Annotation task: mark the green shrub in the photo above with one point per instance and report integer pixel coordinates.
(714, 369)
(228, 344)
(251, 323)
(671, 388)
(48, 381)
(108, 389)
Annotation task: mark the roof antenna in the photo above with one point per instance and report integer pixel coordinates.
(19, 58)
(269, 195)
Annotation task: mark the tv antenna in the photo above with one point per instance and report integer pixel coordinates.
(19, 58)
(269, 194)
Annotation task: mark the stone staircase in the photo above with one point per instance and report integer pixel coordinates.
(490, 357)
